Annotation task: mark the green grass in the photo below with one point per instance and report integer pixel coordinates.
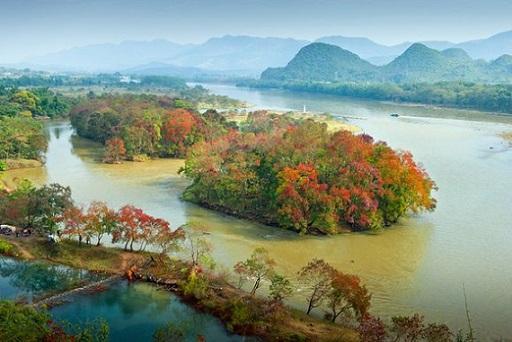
(7, 248)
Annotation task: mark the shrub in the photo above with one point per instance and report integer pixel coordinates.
(7, 248)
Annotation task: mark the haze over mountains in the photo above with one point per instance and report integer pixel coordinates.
(419, 63)
(236, 55)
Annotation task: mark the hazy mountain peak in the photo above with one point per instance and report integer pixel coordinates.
(456, 53)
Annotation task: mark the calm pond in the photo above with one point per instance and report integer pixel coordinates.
(133, 310)
(420, 265)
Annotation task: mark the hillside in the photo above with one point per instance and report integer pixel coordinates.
(323, 62)
(419, 63)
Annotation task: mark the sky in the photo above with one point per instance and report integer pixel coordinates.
(36, 27)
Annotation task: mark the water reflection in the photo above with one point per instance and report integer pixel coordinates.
(19, 279)
(135, 311)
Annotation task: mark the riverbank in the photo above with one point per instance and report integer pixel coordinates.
(447, 94)
(241, 313)
(333, 123)
(14, 164)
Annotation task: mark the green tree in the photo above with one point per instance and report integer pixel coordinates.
(316, 278)
(280, 288)
(259, 266)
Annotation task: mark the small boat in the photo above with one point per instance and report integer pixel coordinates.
(395, 115)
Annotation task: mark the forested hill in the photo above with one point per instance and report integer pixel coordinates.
(419, 63)
(324, 62)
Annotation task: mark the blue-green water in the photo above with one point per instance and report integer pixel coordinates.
(135, 310)
(25, 280)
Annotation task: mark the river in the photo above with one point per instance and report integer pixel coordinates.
(419, 265)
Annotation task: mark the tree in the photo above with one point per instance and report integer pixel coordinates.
(280, 288)
(131, 223)
(258, 266)
(48, 204)
(372, 329)
(74, 220)
(347, 295)
(169, 240)
(200, 251)
(316, 278)
(156, 230)
(179, 131)
(24, 323)
(115, 151)
(304, 203)
(408, 329)
(101, 220)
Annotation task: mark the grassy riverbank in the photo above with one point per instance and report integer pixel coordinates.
(333, 123)
(14, 164)
(241, 313)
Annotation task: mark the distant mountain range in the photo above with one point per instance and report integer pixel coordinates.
(239, 55)
(419, 63)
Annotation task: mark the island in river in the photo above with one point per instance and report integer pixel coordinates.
(419, 265)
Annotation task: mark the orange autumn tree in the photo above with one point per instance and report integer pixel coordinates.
(179, 131)
(115, 151)
(74, 223)
(132, 221)
(304, 203)
(347, 296)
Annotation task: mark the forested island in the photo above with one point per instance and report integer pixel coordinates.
(272, 168)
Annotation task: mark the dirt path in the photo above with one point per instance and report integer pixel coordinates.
(24, 253)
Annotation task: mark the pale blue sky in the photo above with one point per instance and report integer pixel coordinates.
(33, 27)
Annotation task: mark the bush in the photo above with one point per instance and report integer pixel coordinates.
(196, 285)
(7, 248)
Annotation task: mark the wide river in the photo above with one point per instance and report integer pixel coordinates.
(420, 265)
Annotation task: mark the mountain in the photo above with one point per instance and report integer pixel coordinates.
(502, 65)
(489, 48)
(364, 47)
(376, 53)
(327, 63)
(243, 53)
(420, 63)
(323, 62)
(108, 57)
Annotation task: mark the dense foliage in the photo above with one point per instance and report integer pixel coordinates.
(33, 102)
(24, 323)
(135, 125)
(487, 97)
(51, 210)
(297, 175)
(21, 136)
(31, 207)
(329, 63)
